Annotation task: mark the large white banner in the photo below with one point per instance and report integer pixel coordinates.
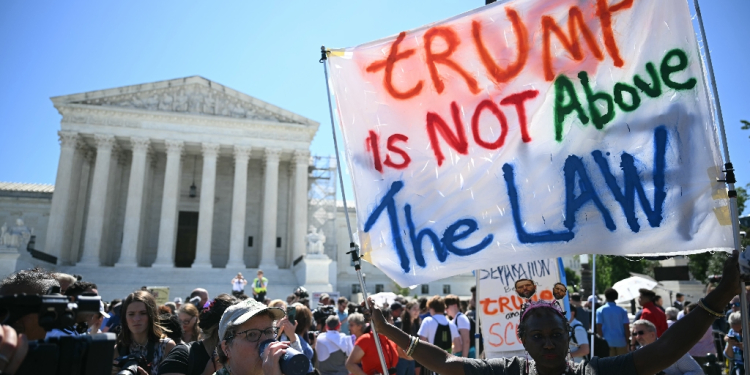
(531, 129)
(499, 306)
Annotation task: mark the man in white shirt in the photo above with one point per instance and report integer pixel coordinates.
(461, 322)
(579, 341)
(333, 348)
(437, 330)
(238, 285)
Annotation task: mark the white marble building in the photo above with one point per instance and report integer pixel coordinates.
(182, 183)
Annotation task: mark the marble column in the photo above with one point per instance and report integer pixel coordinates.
(171, 197)
(134, 204)
(239, 206)
(206, 209)
(60, 208)
(270, 200)
(301, 164)
(92, 243)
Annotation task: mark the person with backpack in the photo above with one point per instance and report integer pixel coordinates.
(437, 330)
(579, 339)
(462, 322)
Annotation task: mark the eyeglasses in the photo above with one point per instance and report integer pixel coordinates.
(254, 335)
(639, 333)
(186, 322)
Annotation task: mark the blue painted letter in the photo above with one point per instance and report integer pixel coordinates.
(523, 236)
(574, 166)
(626, 196)
(389, 203)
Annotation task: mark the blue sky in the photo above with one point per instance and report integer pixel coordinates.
(265, 49)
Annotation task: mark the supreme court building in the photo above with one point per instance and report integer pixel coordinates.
(183, 183)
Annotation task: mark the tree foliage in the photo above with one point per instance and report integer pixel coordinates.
(611, 269)
(572, 279)
(705, 264)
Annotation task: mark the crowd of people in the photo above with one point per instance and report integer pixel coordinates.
(222, 335)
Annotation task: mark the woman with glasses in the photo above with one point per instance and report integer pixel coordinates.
(188, 315)
(242, 328)
(199, 357)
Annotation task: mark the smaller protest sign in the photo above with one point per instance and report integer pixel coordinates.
(499, 304)
(160, 293)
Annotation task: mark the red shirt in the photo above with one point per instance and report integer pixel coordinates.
(371, 361)
(654, 315)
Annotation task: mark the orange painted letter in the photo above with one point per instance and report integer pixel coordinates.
(604, 11)
(575, 17)
(498, 74)
(451, 39)
(388, 64)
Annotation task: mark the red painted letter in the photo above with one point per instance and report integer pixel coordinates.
(435, 123)
(393, 148)
(573, 45)
(488, 104)
(604, 11)
(518, 100)
(388, 64)
(372, 146)
(451, 39)
(497, 73)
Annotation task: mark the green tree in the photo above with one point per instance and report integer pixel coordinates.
(573, 280)
(399, 290)
(741, 198)
(704, 264)
(611, 269)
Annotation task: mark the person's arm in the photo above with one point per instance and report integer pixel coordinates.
(599, 329)
(728, 351)
(583, 350)
(458, 346)
(428, 355)
(352, 363)
(626, 329)
(464, 340)
(686, 332)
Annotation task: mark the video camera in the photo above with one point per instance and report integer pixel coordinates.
(322, 313)
(128, 364)
(714, 278)
(74, 355)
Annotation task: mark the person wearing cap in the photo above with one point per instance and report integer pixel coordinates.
(95, 321)
(241, 330)
(177, 303)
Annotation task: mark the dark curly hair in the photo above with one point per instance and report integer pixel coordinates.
(79, 287)
(172, 326)
(34, 281)
(211, 315)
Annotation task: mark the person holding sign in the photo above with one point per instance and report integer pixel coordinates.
(544, 332)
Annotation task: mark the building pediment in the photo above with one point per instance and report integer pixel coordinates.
(192, 95)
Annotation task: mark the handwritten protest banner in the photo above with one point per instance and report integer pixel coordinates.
(531, 129)
(499, 306)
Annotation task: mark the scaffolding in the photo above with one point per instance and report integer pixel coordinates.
(321, 212)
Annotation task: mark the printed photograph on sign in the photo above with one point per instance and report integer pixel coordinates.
(525, 288)
(527, 130)
(559, 291)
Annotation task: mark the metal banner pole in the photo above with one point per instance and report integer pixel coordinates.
(730, 180)
(476, 316)
(353, 248)
(593, 307)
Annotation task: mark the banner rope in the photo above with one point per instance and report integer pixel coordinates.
(353, 247)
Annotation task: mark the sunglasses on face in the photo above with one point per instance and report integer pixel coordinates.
(254, 335)
(639, 333)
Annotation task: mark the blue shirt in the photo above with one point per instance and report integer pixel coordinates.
(343, 318)
(613, 318)
(737, 352)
